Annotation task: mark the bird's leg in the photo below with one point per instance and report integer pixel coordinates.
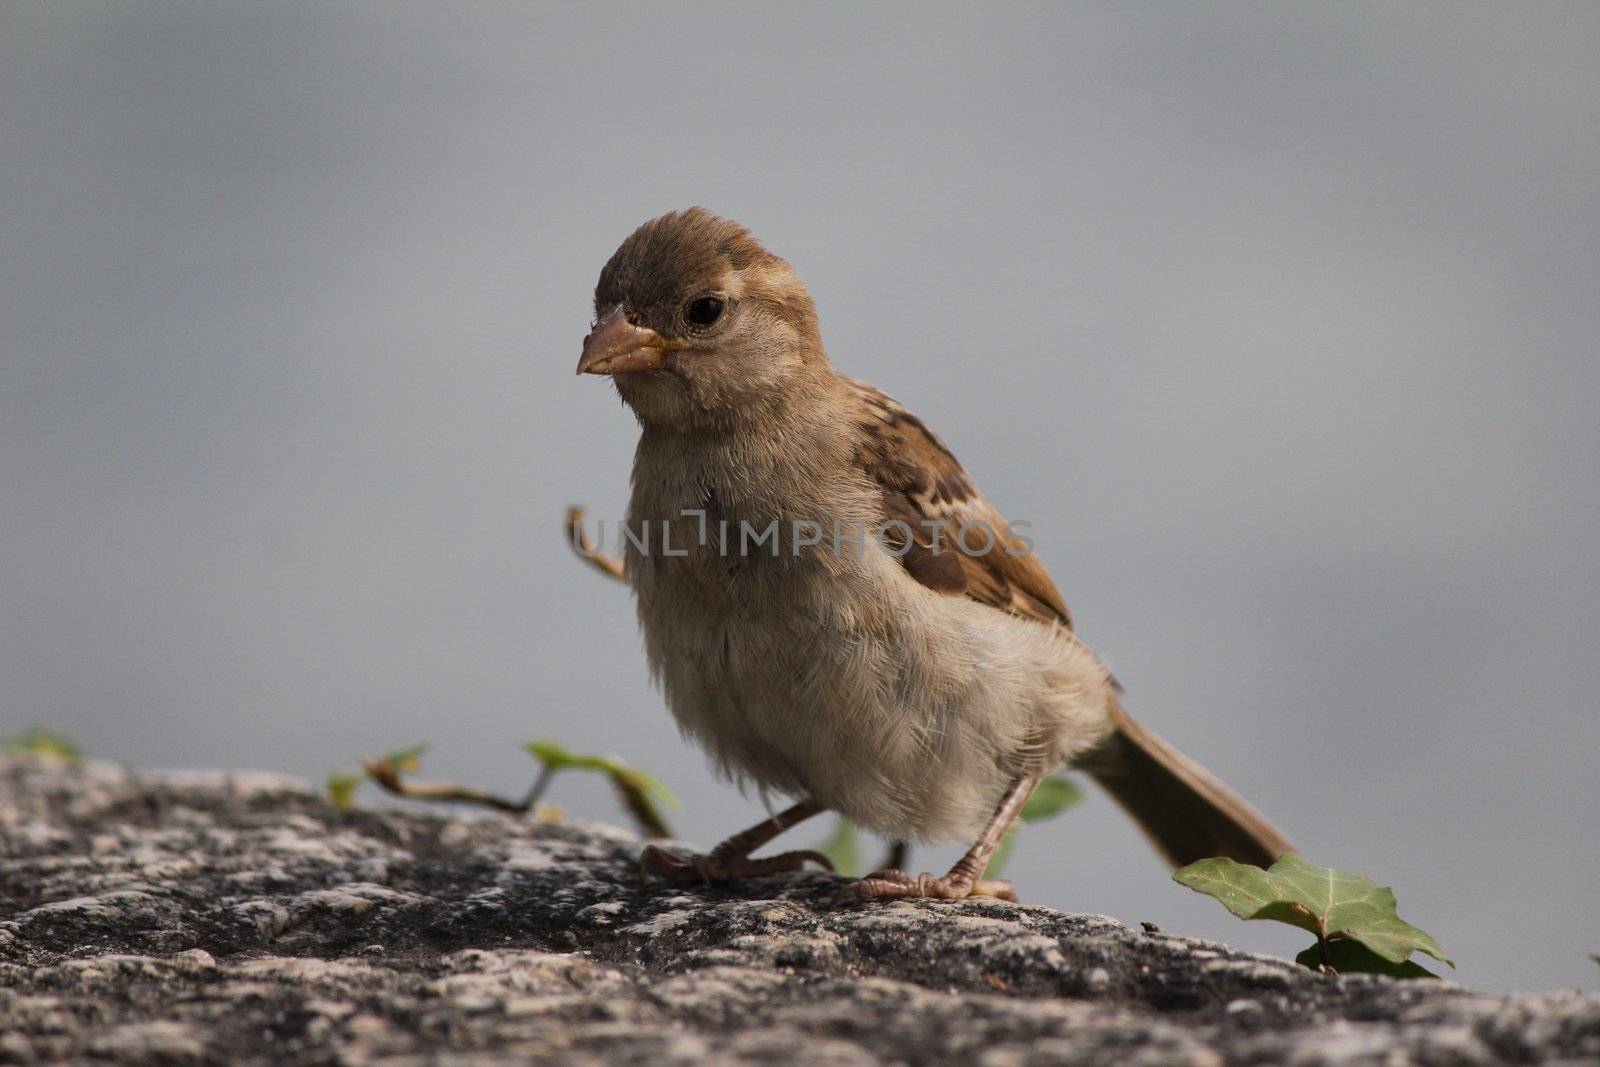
(731, 859)
(965, 879)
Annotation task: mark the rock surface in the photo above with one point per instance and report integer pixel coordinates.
(213, 918)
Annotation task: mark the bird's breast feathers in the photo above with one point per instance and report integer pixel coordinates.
(835, 670)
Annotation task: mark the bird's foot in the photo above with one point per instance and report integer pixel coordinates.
(892, 885)
(697, 867)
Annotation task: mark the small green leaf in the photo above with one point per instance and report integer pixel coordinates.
(1050, 798)
(46, 745)
(642, 780)
(843, 847)
(407, 760)
(550, 754)
(557, 758)
(1249, 892)
(639, 790)
(1352, 957)
(641, 805)
(342, 788)
(1354, 906)
(1327, 902)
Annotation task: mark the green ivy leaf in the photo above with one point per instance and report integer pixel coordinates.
(407, 760)
(843, 847)
(639, 790)
(342, 788)
(1352, 957)
(554, 756)
(1326, 902)
(1354, 906)
(558, 758)
(1050, 798)
(46, 745)
(643, 781)
(1249, 892)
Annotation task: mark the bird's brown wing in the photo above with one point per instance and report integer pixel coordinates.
(925, 487)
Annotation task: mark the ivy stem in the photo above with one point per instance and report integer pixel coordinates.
(536, 791)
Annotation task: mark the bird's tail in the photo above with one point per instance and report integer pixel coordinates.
(1187, 813)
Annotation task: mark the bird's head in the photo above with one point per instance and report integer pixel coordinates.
(699, 326)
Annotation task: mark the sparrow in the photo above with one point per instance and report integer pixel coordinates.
(831, 607)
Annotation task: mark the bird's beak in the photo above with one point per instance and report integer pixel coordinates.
(617, 346)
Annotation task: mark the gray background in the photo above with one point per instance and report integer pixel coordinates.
(1277, 322)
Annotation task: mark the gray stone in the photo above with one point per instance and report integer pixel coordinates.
(212, 918)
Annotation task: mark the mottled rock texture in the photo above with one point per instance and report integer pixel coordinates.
(212, 918)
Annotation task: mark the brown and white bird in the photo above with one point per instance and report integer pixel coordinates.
(919, 682)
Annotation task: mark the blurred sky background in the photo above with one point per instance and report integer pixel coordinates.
(1279, 322)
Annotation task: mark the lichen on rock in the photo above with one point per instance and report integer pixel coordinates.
(214, 918)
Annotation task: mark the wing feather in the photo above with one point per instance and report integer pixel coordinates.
(924, 486)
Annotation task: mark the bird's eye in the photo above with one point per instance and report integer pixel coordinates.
(703, 310)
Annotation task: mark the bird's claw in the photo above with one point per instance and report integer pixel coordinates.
(697, 867)
(894, 885)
